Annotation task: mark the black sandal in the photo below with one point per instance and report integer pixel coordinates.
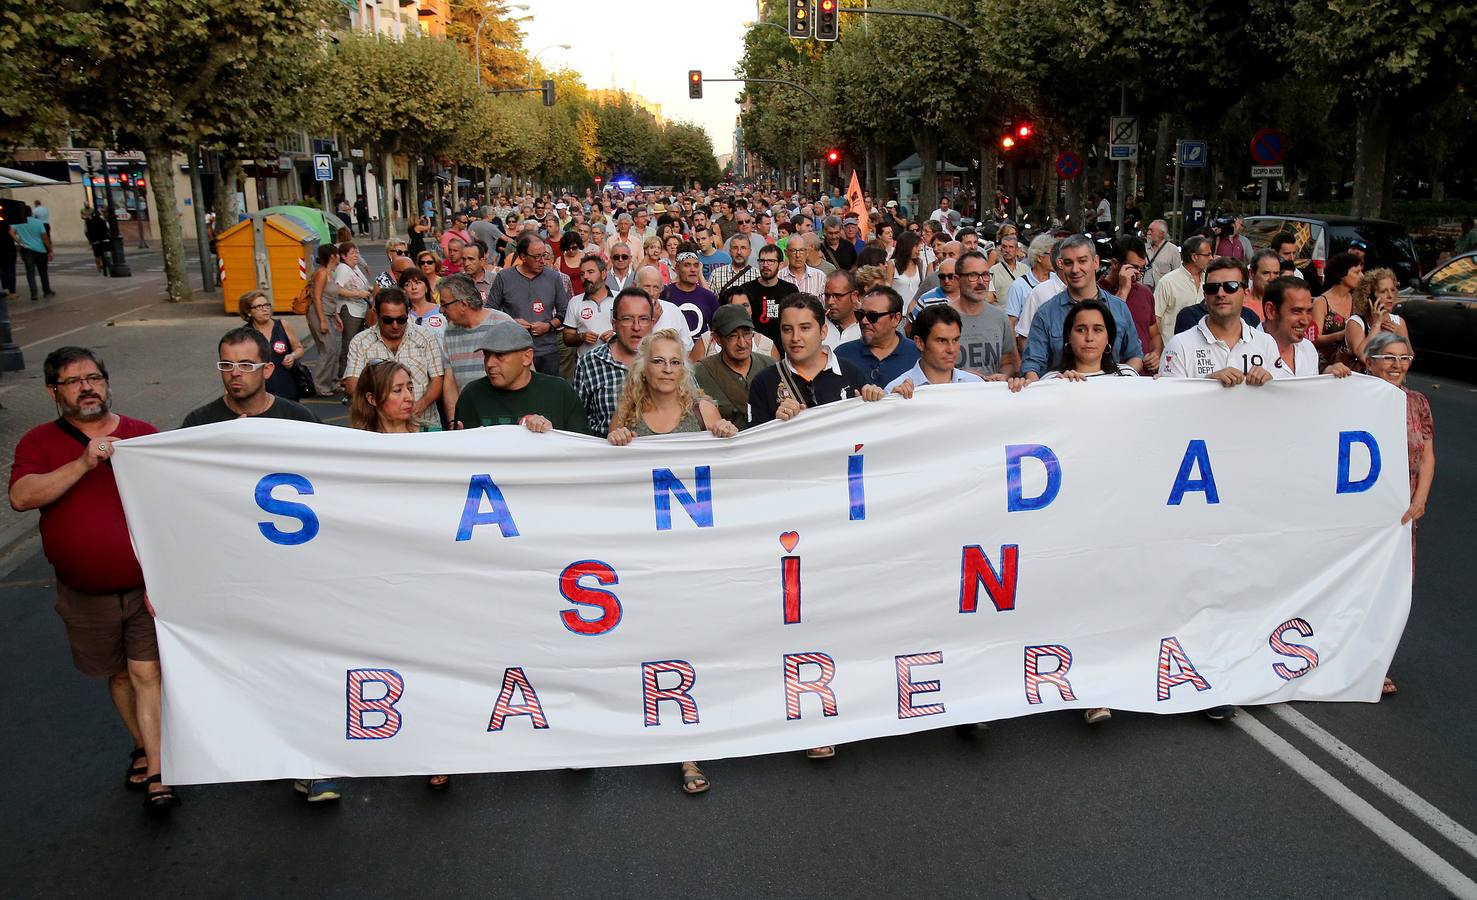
(138, 764)
(159, 801)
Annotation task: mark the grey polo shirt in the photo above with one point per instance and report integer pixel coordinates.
(539, 299)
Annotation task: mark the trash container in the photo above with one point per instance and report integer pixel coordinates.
(267, 252)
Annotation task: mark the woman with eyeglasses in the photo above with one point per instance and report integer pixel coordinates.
(1388, 355)
(661, 397)
(255, 309)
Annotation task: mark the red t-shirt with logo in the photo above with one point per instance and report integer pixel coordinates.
(83, 533)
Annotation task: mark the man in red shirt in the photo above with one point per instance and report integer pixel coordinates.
(1124, 279)
(64, 468)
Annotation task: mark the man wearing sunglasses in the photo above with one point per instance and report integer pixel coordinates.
(1222, 345)
(622, 273)
(881, 354)
(393, 337)
(245, 364)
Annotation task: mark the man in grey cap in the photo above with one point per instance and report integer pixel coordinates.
(725, 376)
(513, 393)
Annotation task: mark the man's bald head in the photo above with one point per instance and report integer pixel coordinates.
(649, 279)
(401, 264)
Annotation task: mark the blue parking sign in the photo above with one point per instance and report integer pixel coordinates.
(1192, 154)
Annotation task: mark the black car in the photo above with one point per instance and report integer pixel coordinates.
(1441, 313)
(1385, 244)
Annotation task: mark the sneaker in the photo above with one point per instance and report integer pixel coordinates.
(50, 294)
(1100, 714)
(318, 790)
(973, 729)
(1220, 713)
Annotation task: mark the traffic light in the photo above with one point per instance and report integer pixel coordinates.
(800, 18)
(827, 20)
(694, 84)
(548, 92)
(1007, 142)
(1024, 130)
(833, 156)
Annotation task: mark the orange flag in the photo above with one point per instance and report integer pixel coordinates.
(857, 207)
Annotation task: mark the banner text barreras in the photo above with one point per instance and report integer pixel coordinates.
(334, 602)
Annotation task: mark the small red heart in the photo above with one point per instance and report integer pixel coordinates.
(789, 539)
(858, 449)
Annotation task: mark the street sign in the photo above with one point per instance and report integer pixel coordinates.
(1268, 147)
(1123, 151)
(1192, 154)
(1068, 164)
(1123, 130)
(1268, 171)
(322, 167)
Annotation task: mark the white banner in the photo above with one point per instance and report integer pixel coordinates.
(333, 602)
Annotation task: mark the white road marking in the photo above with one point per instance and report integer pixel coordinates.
(1413, 803)
(63, 334)
(1400, 840)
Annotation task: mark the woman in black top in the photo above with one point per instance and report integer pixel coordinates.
(256, 310)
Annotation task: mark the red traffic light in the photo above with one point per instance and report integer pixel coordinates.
(1024, 131)
(833, 156)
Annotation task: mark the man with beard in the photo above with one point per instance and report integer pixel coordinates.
(588, 322)
(245, 364)
(64, 468)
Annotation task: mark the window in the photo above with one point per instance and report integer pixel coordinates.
(1458, 277)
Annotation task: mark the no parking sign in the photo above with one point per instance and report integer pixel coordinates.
(1068, 164)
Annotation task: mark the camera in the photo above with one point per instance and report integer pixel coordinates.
(1223, 226)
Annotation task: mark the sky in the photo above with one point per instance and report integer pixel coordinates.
(647, 47)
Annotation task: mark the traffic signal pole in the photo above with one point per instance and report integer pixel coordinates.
(800, 175)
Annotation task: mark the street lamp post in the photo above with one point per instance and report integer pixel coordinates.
(477, 36)
(533, 60)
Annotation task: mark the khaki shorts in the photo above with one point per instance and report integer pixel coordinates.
(106, 630)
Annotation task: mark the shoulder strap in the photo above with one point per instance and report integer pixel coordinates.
(72, 431)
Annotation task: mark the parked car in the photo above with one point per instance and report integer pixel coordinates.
(1441, 312)
(1385, 244)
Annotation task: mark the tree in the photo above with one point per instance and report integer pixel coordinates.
(379, 104)
(160, 77)
(686, 156)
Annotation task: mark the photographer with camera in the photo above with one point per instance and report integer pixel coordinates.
(1228, 239)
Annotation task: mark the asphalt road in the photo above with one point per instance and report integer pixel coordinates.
(1041, 807)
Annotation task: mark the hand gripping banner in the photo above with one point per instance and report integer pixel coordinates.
(342, 603)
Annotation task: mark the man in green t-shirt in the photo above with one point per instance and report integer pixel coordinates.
(513, 393)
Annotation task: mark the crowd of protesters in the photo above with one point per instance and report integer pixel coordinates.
(627, 316)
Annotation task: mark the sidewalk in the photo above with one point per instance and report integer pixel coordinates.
(160, 355)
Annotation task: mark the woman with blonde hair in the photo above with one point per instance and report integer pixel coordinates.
(661, 397)
(1374, 310)
(256, 310)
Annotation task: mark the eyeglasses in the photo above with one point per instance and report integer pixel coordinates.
(871, 318)
(92, 380)
(260, 306)
(1405, 358)
(620, 256)
(661, 363)
(628, 321)
(974, 276)
(242, 367)
(1211, 288)
(394, 320)
(838, 296)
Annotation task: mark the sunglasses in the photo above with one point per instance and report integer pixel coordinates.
(394, 320)
(620, 256)
(871, 318)
(944, 275)
(427, 262)
(1212, 288)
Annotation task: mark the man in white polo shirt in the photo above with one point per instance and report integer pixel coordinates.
(1222, 346)
(1287, 310)
(936, 332)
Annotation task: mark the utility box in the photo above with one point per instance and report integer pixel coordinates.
(267, 252)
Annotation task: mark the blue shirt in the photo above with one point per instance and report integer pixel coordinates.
(31, 234)
(1044, 346)
(1015, 298)
(879, 371)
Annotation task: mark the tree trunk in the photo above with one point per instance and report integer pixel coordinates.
(1154, 173)
(989, 181)
(878, 176)
(1371, 153)
(166, 215)
(386, 182)
(224, 198)
(413, 166)
(927, 145)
